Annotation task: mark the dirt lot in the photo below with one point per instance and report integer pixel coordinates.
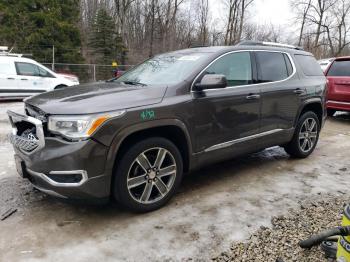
(215, 206)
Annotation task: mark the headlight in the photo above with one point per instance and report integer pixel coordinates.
(79, 126)
(72, 78)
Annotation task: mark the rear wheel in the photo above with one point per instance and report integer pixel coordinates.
(148, 175)
(331, 112)
(305, 137)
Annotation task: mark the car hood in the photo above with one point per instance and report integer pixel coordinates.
(96, 98)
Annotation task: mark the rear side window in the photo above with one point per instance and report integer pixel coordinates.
(273, 66)
(309, 65)
(339, 68)
(236, 67)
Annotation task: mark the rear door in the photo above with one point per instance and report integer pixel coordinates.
(8, 78)
(30, 81)
(281, 90)
(338, 76)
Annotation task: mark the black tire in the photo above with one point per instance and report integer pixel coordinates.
(331, 112)
(294, 147)
(128, 163)
(60, 87)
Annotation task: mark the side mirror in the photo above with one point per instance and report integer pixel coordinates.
(212, 81)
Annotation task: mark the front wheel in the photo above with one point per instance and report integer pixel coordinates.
(305, 137)
(148, 175)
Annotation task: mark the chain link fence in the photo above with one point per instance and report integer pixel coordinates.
(89, 72)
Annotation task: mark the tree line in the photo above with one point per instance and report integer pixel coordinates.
(129, 31)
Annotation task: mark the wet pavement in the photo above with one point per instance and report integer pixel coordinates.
(215, 206)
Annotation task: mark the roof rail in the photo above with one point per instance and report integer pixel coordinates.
(262, 43)
(10, 54)
(4, 52)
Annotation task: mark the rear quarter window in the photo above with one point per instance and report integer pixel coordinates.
(309, 65)
(339, 68)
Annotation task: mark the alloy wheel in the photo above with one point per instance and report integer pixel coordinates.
(308, 135)
(151, 175)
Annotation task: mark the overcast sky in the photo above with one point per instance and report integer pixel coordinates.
(277, 12)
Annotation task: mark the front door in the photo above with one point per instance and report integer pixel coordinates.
(228, 114)
(30, 82)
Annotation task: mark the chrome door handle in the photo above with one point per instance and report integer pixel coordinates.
(252, 96)
(299, 91)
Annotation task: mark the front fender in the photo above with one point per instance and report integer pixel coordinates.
(129, 130)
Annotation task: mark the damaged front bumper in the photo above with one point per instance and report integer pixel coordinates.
(58, 167)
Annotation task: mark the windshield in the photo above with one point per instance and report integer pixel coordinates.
(166, 69)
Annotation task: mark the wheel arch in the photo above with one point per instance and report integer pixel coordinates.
(60, 86)
(313, 105)
(173, 130)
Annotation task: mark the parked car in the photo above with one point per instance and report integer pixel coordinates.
(324, 63)
(338, 95)
(134, 137)
(22, 77)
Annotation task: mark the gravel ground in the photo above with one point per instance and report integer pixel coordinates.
(281, 241)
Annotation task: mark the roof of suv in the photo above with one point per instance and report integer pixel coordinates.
(224, 49)
(342, 58)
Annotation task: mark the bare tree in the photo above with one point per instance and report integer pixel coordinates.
(302, 9)
(203, 19)
(236, 19)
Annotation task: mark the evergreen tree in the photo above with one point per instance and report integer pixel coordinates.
(34, 26)
(104, 41)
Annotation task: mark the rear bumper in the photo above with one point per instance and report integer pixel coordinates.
(338, 105)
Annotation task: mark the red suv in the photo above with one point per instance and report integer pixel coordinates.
(338, 75)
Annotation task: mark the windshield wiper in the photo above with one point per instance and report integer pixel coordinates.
(134, 83)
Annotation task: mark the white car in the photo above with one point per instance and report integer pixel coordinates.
(324, 63)
(22, 77)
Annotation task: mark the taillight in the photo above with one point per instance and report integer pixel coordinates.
(327, 88)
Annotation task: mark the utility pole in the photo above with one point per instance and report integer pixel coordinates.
(53, 58)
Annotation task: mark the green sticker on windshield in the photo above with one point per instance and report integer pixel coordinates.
(147, 114)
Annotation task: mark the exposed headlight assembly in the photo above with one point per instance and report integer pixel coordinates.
(77, 127)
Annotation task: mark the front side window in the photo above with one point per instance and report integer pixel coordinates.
(27, 69)
(273, 66)
(339, 68)
(44, 73)
(237, 68)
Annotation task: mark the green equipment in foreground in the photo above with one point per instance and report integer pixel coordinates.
(342, 250)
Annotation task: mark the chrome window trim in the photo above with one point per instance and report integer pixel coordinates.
(240, 140)
(240, 51)
(58, 184)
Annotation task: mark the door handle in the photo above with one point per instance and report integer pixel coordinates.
(24, 79)
(252, 96)
(10, 78)
(299, 91)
